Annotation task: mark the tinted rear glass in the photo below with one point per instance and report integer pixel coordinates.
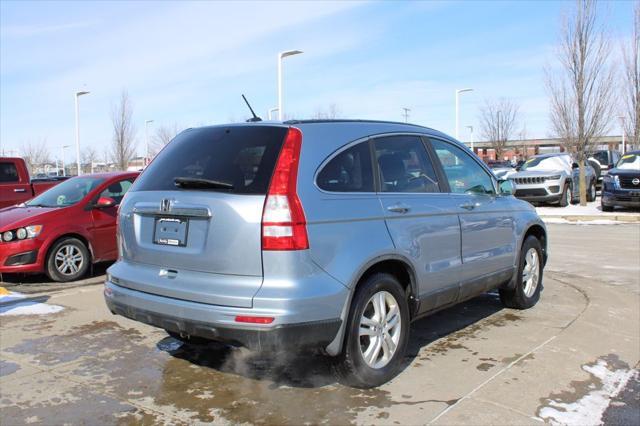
(8, 172)
(243, 156)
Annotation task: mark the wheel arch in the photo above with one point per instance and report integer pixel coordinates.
(78, 236)
(397, 265)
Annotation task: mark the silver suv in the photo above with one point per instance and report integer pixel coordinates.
(331, 235)
(552, 178)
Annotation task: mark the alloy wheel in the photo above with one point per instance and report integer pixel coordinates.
(380, 328)
(68, 260)
(531, 272)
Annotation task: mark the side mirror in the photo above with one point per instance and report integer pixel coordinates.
(575, 166)
(505, 187)
(104, 202)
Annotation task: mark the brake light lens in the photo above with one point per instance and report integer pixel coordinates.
(284, 226)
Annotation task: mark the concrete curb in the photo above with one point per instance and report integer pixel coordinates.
(589, 218)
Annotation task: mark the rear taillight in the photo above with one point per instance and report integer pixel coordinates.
(284, 226)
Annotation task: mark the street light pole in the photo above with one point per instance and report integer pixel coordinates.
(64, 172)
(78, 94)
(146, 141)
(471, 137)
(458, 91)
(271, 111)
(281, 56)
(624, 145)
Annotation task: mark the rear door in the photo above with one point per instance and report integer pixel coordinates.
(206, 238)
(486, 220)
(14, 187)
(420, 219)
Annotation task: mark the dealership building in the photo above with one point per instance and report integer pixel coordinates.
(525, 148)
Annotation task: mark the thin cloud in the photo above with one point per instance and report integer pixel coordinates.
(23, 31)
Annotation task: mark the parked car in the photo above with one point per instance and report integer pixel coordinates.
(65, 229)
(621, 185)
(552, 178)
(602, 161)
(502, 169)
(15, 184)
(319, 234)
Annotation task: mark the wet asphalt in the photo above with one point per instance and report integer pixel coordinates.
(476, 363)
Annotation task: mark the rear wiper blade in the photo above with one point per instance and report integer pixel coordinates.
(187, 182)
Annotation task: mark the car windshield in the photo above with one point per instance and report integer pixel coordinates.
(67, 193)
(629, 162)
(543, 163)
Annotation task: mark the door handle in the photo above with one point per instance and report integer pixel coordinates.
(398, 208)
(469, 206)
(19, 190)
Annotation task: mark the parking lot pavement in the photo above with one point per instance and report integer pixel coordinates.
(476, 363)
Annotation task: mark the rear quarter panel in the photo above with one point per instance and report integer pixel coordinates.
(346, 230)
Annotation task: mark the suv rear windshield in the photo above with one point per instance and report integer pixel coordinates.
(241, 156)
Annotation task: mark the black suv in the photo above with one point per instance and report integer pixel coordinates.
(621, 185)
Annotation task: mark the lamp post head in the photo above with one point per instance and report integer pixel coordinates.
(148, 121)
(289, 53)
(463, 90)
(82, 92)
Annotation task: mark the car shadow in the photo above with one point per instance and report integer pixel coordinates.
(311, 370)
(97, 271)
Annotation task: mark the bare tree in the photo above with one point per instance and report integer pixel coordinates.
(631, 83)
(163, 135)
(332, 112)
(581, 91)
(89, 156)
(124, 131)
(498, 122)
(35, 154)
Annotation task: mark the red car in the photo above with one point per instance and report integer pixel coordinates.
(65, 229)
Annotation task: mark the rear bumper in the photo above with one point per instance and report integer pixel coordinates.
(217, 322)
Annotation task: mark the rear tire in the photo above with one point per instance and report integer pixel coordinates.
(591, 192)
(368, 358)
(68, 260)
(529, 279)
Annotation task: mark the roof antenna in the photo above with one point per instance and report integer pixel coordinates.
(255, 117)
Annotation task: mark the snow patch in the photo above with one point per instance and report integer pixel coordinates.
(582, 222)
(5, 298)
(592, 208)
(29, 308)
(589, 409)
(10, 305)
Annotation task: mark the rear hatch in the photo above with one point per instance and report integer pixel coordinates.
(191, 224)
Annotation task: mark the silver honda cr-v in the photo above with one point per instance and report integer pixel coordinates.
(332, 235)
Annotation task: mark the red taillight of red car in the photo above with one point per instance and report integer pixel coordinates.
(284, 226)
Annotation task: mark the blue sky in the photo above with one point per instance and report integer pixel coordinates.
(188, 63)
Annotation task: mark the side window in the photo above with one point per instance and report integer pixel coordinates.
(349, 171)
(404, 165)
(8, 172)
(464, 174)
(117, 190)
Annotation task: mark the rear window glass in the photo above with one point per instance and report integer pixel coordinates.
(8, 172)
(349, 171)
(242, 156)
